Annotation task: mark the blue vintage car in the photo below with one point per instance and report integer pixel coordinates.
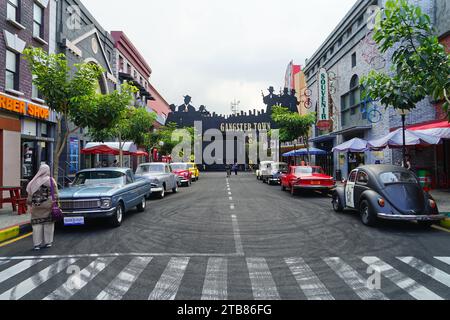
(103, 193)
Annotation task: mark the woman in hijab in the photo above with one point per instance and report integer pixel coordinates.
(40, 200)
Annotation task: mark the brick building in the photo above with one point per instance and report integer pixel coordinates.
(26, 123)
(348, 54)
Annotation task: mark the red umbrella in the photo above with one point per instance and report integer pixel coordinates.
(103, 149)
(140, 153)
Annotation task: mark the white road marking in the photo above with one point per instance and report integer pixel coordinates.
(123, 282)
(413, 288)
(263, 285)
(16, 269)
(354, 280)
(231, 198)
(427, 269)
(232, 206)
(230, 194)
(73, 285)
(237, 236)
(308, 281)
(444, 259)
(28, 285)
(167, 286)
(215, 285)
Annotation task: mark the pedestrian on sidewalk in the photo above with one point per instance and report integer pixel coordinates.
(228, 169)
(40, 200)
(235, 169)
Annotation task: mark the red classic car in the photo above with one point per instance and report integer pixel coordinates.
(306, 178)
(183, 173)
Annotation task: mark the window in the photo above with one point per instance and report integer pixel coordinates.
(129, 177)
(362, 178)
(34, 90)
(331, 50)
(354, 60)
(38, 17)
(339, 43)
(397, 177)
(12, 69)
(352, 177)
(120, 64)
(349, 32)
(360, 21)
(354, 82)
(12, 10)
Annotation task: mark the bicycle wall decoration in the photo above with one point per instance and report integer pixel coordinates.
(372, 110)
(370, 52)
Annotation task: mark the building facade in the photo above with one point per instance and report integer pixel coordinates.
(348, 54)
(82, 39)
(26, 124)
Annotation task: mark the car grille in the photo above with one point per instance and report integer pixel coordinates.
(79, 204)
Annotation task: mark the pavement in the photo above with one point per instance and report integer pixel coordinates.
(234, 239)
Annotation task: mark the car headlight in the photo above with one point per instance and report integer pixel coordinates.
(105, 203)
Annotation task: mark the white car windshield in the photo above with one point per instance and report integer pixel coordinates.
(397, 177)
(100, 178)
(158, 168)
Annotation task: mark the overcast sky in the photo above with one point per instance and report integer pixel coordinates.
(217, 51)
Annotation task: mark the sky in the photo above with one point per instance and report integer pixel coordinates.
(220, 51)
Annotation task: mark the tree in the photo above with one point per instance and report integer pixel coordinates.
(420, 64)
(133, 124)
(164, 135)
(293, 125)
(70, 93)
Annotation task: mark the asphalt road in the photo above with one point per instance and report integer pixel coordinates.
(232, 239)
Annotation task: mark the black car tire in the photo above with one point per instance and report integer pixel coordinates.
(283, 188)
(117, 218)
(337, 205)
(293, 191)
(368, 217)
(141, 207)
(175, 189)
(162, 193)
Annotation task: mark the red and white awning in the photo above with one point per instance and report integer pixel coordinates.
(440, 129)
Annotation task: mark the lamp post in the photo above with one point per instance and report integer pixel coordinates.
(403, 113)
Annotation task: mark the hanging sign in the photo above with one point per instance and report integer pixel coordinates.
(324, 105)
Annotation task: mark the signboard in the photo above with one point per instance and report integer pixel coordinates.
(324, 103)
(23, 107)
(74, 155)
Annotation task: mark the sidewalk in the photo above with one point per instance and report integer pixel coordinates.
(12, 225)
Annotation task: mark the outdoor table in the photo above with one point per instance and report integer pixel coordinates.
(15, 199)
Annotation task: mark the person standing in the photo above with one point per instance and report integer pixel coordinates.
(228, 169)
(407, 165)
(39, 192)
(235, 169)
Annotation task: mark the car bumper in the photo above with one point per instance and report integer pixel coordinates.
(312, 187)
(401, 217)
(184, 180)
(90, 214)
(159, 189)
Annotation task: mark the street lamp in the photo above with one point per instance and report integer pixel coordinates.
(403, 113)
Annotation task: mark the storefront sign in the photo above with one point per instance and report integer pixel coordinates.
(324, 108)
(23, 107)
(224, 127)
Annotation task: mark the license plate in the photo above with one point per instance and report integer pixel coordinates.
(315, 182)
(74, 221)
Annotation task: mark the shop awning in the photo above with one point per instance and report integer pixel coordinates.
(109, 148)
(304, 152)
(439, 129)
(395, 140)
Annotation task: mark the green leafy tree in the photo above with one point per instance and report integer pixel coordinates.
(293, 125)
(420, 64)
(164, 135)
(71, 93)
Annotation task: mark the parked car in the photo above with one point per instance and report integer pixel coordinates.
(307, 178)
(263, 169)
(194, 170)
(183, 173)
(386, 192)
(161, 177)
(103, 193)
(275, 171)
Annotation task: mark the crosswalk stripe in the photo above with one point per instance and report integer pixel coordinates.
(77, 282)
(427, 269)
(167, 286)
(354, 280)
(413, 288)
(444, 259)
(263, 285)
(16, 269)
(123, 282)
(35, 281)
(215, 285)
(308, 281)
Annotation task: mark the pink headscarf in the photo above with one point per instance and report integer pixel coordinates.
(41, 178)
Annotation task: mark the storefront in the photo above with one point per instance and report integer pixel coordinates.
(26, 139)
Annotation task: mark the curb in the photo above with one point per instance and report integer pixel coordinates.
(15, 231)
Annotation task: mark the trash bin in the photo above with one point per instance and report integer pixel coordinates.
(338, 175)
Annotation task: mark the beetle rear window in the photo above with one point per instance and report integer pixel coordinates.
(397, 177)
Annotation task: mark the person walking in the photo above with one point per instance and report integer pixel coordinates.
(235, 169)
(228, 169)
(39, 192)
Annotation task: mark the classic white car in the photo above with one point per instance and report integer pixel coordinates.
(264, 168)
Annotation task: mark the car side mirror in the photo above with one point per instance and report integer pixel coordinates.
(344, 181)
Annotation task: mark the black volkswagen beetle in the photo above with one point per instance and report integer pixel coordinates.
(386, 192)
